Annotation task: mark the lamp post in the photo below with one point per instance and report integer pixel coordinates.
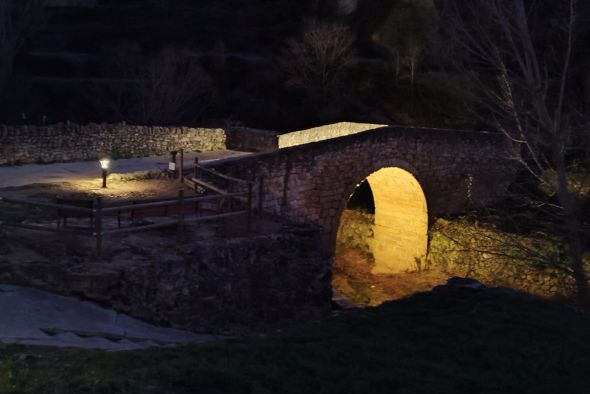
(104, 165)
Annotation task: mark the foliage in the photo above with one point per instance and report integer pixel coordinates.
(578, 181)
(495, 341)
(521, 79)
(320, 59)
(167, 88)
(438, 100)
(18, 19)
(407, 33)
(535, 262)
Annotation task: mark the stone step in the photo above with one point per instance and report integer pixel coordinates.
(35, 317)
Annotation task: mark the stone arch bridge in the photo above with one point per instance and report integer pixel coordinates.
(415, 175)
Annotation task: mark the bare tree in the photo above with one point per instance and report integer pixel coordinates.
(320, 59)
(407, 33)
(169, 88)
(521, 78)
(18, 18)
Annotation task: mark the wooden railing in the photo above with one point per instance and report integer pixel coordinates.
(176, 214)
(233, 182)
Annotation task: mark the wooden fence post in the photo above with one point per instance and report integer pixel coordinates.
(260, 195)
(181, 166)
(180, 215)
(98, 225)
(172, 165)
(249, 220)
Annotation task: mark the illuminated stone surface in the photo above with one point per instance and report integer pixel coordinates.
(324, 133)
(401, 221)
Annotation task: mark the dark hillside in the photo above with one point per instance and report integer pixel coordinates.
(85, 59)
(73, 52)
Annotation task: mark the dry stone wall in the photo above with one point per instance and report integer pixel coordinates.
(213, 284)
(72, 142)
(465, 249)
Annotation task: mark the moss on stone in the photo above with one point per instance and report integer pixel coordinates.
(536, 264)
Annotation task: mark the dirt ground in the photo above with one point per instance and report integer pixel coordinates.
(352, 278)
(119, 190)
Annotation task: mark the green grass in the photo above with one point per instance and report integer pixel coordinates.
(457, 342)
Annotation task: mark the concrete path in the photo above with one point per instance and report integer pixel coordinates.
(35, 317)
(14, 176)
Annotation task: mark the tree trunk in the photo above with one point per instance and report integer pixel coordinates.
(579, 272)
(568, 202)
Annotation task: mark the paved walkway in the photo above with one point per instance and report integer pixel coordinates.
(13, 176)
(35, 317)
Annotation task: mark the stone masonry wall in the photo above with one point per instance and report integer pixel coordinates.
(72, 142)
(255, 140)
(213, 284)
(251, 140)
(312, 183)
(495, 258)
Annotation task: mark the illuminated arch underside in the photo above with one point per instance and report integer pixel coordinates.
(400, 237)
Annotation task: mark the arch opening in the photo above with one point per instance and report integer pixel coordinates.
(383, 232)
(400, 231)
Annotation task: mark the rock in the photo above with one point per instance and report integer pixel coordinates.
(465, 283)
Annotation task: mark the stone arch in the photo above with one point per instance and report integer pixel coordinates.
(400, 231)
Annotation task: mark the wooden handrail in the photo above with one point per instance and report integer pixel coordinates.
(215, 197)
(124, 208)
(209, 186)
(226, 177)
(218, 216)
(48, 205)
(189, 182)
(99, 212)
(87, 233)
(166, 223)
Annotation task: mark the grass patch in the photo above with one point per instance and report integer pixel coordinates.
(445, 342)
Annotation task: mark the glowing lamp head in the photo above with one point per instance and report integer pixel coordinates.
(104, 164)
